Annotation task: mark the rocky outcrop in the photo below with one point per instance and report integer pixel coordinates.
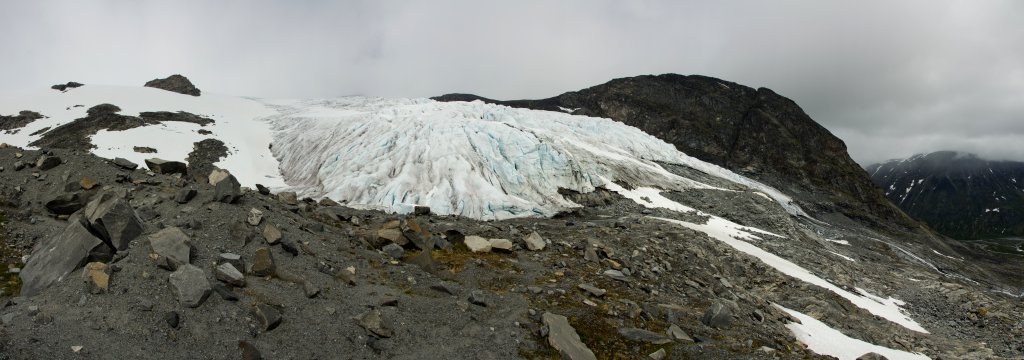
(957, 194)
(77, 134)
(174, 83)
(755, 132)
(12, 124)
(65, 87)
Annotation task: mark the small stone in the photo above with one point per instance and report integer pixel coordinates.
(372, 322)
(172, 318)
(289, 246)
(272, 234)
(642, 335)
(97, 275)
(445, 287)
(33, 310)
(534, 242)
(268, 316)
(310, 289)
(593, 290)
(503, 245)
(233, 259)
(263, 262)
(394, 250)
(228, 274)
(392, 235)
(477, 244)
(225, 293)
(675, 332)
(190, 285)
(478, 298)
(77, 348)
(590, 254)
(249, 352)
(88, 183)
(564, 338)
(617, 275)
(185, 195)
(657, 355)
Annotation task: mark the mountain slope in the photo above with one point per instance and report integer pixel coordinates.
(957, 194)
(753, 131)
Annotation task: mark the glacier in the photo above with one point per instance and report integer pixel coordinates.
(460, 158)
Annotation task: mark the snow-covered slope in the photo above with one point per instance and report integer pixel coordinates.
(465, 158)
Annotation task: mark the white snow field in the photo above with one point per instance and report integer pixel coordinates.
(463, 158)
(823, 339)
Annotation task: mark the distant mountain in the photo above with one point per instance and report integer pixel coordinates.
(958, 194)
(756, 132)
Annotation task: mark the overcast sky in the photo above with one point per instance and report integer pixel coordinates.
(891, 78)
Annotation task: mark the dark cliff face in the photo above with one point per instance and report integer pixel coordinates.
(959, 195)
(755, 132)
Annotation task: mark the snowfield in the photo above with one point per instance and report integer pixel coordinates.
(462, 158)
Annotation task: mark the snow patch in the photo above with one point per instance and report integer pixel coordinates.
(840, 242)
(842, 256)
(823, 339)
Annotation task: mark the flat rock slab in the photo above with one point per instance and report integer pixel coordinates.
(564, 338)
(190, 285)
(477, 244)
(228, 274)
(57, 256)
(161, 166)
(642, 335)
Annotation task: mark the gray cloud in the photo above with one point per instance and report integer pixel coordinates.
(890, 78)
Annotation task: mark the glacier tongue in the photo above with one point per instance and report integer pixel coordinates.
(470, 159)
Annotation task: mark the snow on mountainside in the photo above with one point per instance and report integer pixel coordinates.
(472, 159)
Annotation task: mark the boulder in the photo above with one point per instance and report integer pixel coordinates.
(175, 83)
(47, 162)
(170, 248)
(190, 285)
(185, 195)
(393, 250)
(288, 197)
(477, 244)
(534, 242)
(161, 166)
(228, 190)
(268, 317)
(125, 164)
(504, 245)
(263, 190)
(57, 256)
(228, 274)
(217, 175)
(113, 219)
(419, 210)
(272, 234)
(263, 262)
(255, 217)
(564, 338)
(718, 315)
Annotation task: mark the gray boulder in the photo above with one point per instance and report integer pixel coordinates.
(161, 166)
(564, 338)
(125, 164)
(288, 197)
(719, 314)
(190, 285)
(114, 220)
(171, 248)
(57, 256)
(228, 274)
(47, 162)
(228, 190)
(185, 195)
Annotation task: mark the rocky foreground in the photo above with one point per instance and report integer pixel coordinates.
(130, 261)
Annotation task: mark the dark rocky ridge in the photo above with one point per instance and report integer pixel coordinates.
(175, 83)
(959, 195)
(66, 87)
(14, 123)
(76, 134)
(755, 132)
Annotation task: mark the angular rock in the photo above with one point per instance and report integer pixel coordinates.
(170, 248)
(477, 244)
(190, 285)
(310, 289)
(113, 218)
(47, 162)
(161, 166)
(233, 259)
(87, 183)
(419, 210)
(503, 245)
(718, 315)
(657, 355)
(478, 298)
(175, 83)
(564, 338)
(288, 198)
(228, 190)
(185, 195)
(272, 234)
(66, 204)
(534, 242)
(225, 293)
(173, 319)
(394, 251)
(263, 262)
(57, 256)
(249, 352)
(677, 333)
(268, 316)
(217, 175)
(642, 335)
(255, 217)
(593, 290)
(393, 236)
(372, 322)
(125, 164)
(289, 246)
(263, 190)
(228, 274)
(97, 275)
